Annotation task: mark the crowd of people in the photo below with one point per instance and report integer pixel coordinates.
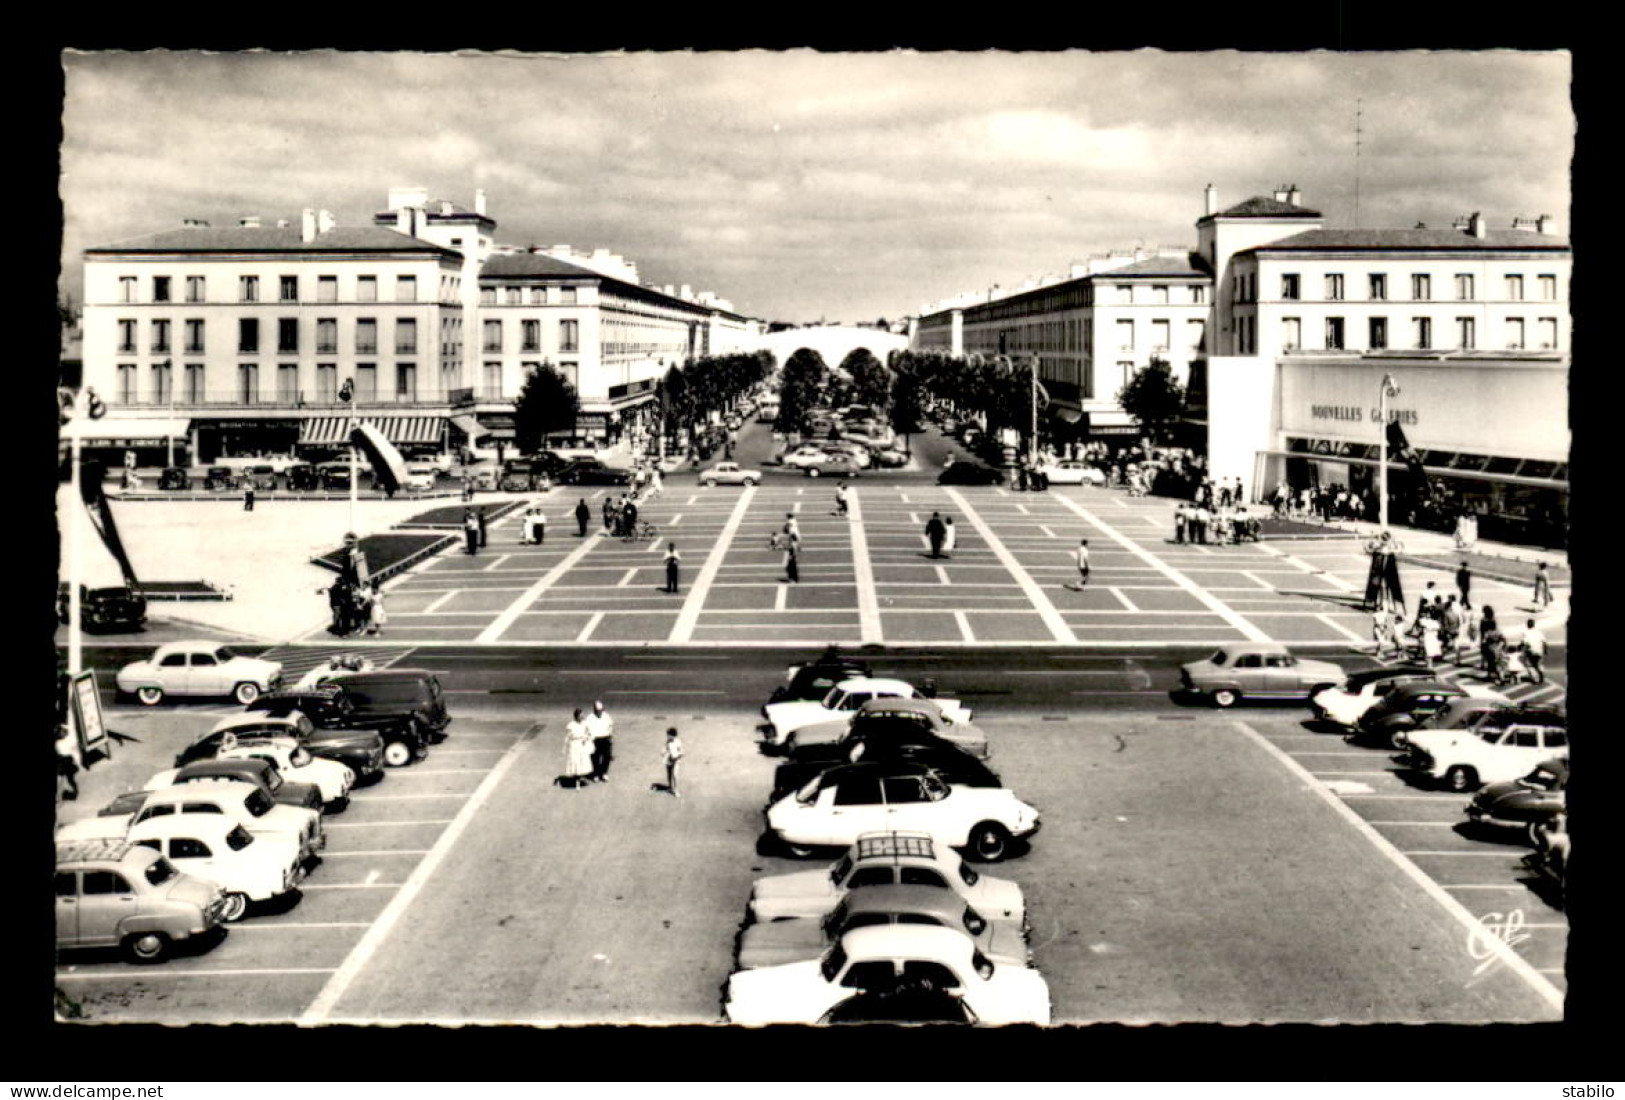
(356, 608)
(1449, 628)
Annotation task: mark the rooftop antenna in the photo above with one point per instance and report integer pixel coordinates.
(1358, 104)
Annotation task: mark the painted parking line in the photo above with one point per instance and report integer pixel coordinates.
(592, 625)
(298, 926)
(378, 852)
(511, 613)
(172, 972)
(386, 824)
(964, 627)
(1058, 628)
(869, 625)
(683, 629)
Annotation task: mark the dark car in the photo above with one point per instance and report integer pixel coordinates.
(593, 472)
(396, 699)
(909, 746)
(304, 477)
(970, 473)
(174, 479)
(1405, 708)
(335, 476)
(1526, 804)
(330, 707)
(260, 477)
(262, 773)
(814, 679)
(519, 475)
(113, 609)
(219, 479)
(362, 751)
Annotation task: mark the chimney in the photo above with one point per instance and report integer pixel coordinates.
(307, 225)
(479, 201)
(1282, 194)
(1543, 224)
(249, 221)
(1212, 197)
(403, 220)
(1293, 195)
(324, 221)
(1478, 225)
(687, 293)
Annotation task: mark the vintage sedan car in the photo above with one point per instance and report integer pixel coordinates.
(361, 751)
(585, 471)
(303, 477)
(111, 893)
(1524, 804)
(260, 477)
(261, 773)
(852, 799)
(421, 477)
(334, 711)
(174, 479)
(729, 473)
(198, 668)
(1002, 939)
(860, 453)
(1501, 747)
(970, 473)
(1072, 472)
(245, 803)
(813, 679)
(1257, 670)
(868, 959)
(807, 454)
(114, 609)
(887, 717)
(1407, 706)
(219, 479)
(335, 476)
(295, 762)
(1344, 704)
(246, 866)
(878, 859)
(1463, 712)
(898, 742)
(834, 464)
(785, 718)
(890, 457)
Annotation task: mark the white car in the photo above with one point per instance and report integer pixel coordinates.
(849, 800)
(421, 477)
(783, 719)
(295, 762)
(880, 859)
(192, 668)
(882, 958)
(1072, 472)
(1499, 749)
(805, 455)
(729, 473)
(246, 804)
(218, 849)
(1346, 703)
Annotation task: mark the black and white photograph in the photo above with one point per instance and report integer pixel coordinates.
(993, 539)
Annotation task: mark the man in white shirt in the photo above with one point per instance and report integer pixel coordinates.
(1083, 563)
(601, 728)
(1534, 652)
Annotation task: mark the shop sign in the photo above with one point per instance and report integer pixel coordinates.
(1361, 416)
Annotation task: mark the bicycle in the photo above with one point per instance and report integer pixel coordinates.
(642, 532)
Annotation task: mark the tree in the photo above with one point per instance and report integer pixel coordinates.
(803, 378)
(547, 403)
(871, 381)
(907, 402)
(1153, 397)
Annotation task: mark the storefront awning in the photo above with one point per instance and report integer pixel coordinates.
(1431, 471)
(334, 431)
(125, 431)
(1066, 415)
(471, 427)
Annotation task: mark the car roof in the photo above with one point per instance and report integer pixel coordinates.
(894, 845)
(227, 768)
(884, 705)
(875, 683)
(164, 824)
(908, 941)
(181, 792)
(1375, 675)
(1426, 687)
(897, 898)
(188, 644)
(1236, 649)
(255, 720)
(111, 850)
(862, 769)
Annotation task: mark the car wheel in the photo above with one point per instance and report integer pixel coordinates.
(397, 754)
(812, 471)
(748, 482)
(245, 693)
(710, 483)
(800, 851)
(236, 905)
(989, 841)
(1224, 697)
(1532, 832)
(150, 695)
(1461, 778)
(145, 947)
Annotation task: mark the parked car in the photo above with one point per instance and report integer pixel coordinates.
(807, 454)
(969, 473)
(518, 476)
(332, 710)
(847, 801)
(198, 668)
(303, 477)
(298, 763)
(861, 454)
(406, 705)
(219, 479)
(1257, 670)
(421, 477)
(174, 479)
(1525, 804)
(890, 458)
(260, 477)
(1072, 472)
(868, 959)
(213, 847)
(359, 750)
(1343, 704)
(592, 472)
(336, 476)
(785, 718)
(834, 464)
(813, 679)
(1550, 859)
(1460, 713)
(245, 803)
(775, 943)
(1407, 706)
(890, 718)
(911, 1003)
(910, 746)
(116, 608)
(1502, 746)
(111, 893)
(729, 473)
(261, 773)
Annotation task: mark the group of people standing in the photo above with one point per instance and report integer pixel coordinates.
(356, 608)
(1446, 627)
(589, 750)
(1196, 523)
(941, 535)
(473, 530)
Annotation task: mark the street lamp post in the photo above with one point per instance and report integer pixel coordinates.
(1389, 389)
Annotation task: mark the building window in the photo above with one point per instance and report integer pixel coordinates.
(195, 289)
(327, 288)
(1422, 288)
(366, 383)
(1466, 332)
(1159, 294)
(538, 295)
(160, 288)
(288, 288)
(327, 383)
(1378, 287)
(194, 337)
(567, 295)
(1291, 288)
(366, 336)
(1464, 288)
(248, 334)
(493, 336)
(248, 383)
(1515, 288)
(1548, 288)
(327, 336)
(1195, 330)
(492, 382)
(160, 384)
(406, 382)
(531, 336)
(160, 337)
(126, 383)
(1159, 334)
(1334, 288)
(1423, 332)
(406, 288)
(126, 288)
(1125, 335)
(1334, 333)
(366, 288)
(1379, 334)
(406, 336)
(1198, 295)
(488, 296)
(287, 383)
(194, 383)
(569, 335)
(513, 296)
(571, 371)
(287, 334)
(1515, 334)
(1548, 333)
(126, 336)
(248, 288)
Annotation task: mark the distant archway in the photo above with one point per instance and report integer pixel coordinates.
(833, 342)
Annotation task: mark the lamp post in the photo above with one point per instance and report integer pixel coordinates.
(1390, 388)
(88, 406)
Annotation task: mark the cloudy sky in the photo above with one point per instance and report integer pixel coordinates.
(803, 185)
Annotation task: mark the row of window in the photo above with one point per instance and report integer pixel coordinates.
(530, 335)
(528, 295)
(1244, 288)
(1079, 295)
(248, 288)
(1078, 335)
(1515, 330)
(287, 336)
(195, 391)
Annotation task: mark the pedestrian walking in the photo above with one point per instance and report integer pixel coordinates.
(792, 529)
(376, 616)
(1543, 587)
(468, 488)
(1431, 643)
(1180, 519)
(609, 514)
(1534, 652)
(338, 604)
(248, 498)
(601, 728)
(840, 500)
(535, 525)
(583, 517)
(1199, 522)
(1464, 584)
(471, 532)
(656, 486)
(935, 532)
(577, 753)
(672, 756)
(1450, 629)
(479, 518)
(673, 563)
(792, 565)
(1491, 646)
(1382, 632)
(1083, 563)
(950, 537)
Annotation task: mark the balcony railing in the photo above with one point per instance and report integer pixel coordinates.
(182, 401)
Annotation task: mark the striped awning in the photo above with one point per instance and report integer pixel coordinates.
(334, 431)
(116, 431)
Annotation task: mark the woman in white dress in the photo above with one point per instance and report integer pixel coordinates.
(950, 537)
(577, 752)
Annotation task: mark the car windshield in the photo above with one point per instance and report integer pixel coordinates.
(834, 960)
(258, 802)
(160, 871)
(223, 654)
(808, 794)
(968, 874)
(239, 838)
(839, 871)
(1218, 657)
(832, 701)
